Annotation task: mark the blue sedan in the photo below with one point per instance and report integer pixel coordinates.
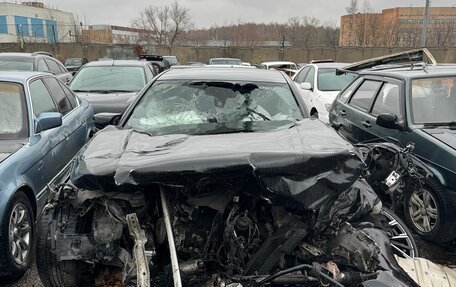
(42, 127)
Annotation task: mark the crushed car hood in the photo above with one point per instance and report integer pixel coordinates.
(297, 162)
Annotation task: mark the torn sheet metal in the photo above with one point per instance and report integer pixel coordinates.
(305, 164)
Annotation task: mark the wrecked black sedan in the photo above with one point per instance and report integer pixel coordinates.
(217, 177)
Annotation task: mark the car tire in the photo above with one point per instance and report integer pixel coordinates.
(17, 238)
(428, 212)
(54, 273)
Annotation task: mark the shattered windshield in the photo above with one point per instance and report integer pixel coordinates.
(434, 100)
(13, 117)
(200, 107)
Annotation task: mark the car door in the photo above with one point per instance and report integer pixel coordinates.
(307, 95)
(61, 73)
(50, 140)
(72, 121)
(352, 114)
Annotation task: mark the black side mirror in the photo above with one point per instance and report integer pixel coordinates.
(388, 121)
(103, 119)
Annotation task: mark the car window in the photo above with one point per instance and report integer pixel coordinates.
(362, 99)
(59, 95)
(62, 68)
(69, 94)
(53, 67)
(328, 80)
(388, 101)
(41, 99)
(347, 92)
(13, 112)
(109, 78)
(15, 64)
(42, 66)
(149, 74)
(310, 77)
(196, 107)
(301, 75)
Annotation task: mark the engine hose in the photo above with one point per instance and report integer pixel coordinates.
(169, 232)
(299, 268)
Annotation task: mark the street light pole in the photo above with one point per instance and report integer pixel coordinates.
(424, 32)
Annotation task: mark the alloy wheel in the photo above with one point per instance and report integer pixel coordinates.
(20, 233)
(423, 210)
(401, 241)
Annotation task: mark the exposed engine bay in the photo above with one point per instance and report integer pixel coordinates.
(221, 236)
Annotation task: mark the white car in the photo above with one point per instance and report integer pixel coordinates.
(319, 86)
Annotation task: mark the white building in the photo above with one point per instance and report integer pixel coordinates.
(33, 22)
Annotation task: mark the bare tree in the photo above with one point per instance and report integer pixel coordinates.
(163, 25)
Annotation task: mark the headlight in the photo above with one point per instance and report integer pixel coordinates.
(328, 107)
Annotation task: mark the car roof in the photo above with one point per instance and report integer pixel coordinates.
(408, 73)
(223, 74)
(19, 76)
(225, 59)
(126, 63)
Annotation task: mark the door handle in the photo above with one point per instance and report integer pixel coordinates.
(366, 124)
(342, 113)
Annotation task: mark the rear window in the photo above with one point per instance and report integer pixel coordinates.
(327, 80)
(16, 64)
(109, 78)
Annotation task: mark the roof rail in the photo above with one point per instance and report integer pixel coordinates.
(42, 53)
(405, 59)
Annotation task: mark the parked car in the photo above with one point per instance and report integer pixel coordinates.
(289, 68)
(42, 126)
(74, 64)
(217, 177)
(159, 63)
(225, 61)
(172, 60)
(38, 61)
(110, 86)
(319, 86)
(409, 103)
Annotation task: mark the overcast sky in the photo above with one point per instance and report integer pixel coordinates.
(206, 13)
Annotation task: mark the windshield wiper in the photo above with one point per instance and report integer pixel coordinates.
(451, 124)
(258, 113)
(104, 91)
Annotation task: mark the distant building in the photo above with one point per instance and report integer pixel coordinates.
(110, 34)
(399, 27)
(33, 22)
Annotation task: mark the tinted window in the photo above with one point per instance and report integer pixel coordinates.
(42, 66)
(59, 95)
(362, 99)
(13, 114)
(347, 92)
(388, 101)
(310, 77)
(301, 75)
(69, 94)
(53, 67)
(41, 99)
